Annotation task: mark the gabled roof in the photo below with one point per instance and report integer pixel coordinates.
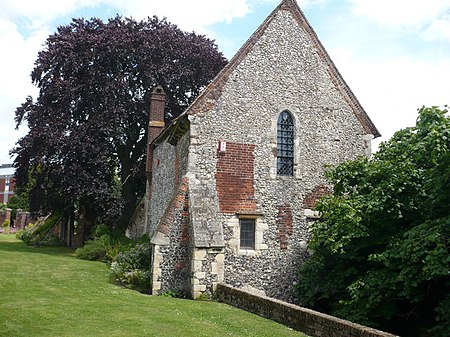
(207, 98)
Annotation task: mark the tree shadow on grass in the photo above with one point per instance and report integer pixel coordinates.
(13, 245)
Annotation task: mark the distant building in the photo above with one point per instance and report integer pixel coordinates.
(6, 182)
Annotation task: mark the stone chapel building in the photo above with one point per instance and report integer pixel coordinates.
(233, 180)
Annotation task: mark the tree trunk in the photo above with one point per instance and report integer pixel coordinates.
(130, 200)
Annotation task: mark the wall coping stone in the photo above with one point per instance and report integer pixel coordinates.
(310, 322)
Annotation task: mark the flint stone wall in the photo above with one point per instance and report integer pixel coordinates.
(175, 263)
(169, 218)
(169, 164)
(265, 83)
(163, 183)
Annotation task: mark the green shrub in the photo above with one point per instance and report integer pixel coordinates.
(117, 247)
(6, 226)
(26, 234)
(104, 248)
(132, 268)
(95, 250)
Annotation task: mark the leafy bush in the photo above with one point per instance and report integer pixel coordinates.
(6, 226)
(95, 250)
(130, 260)
(380, 253)
(100, 230)
(25, 235)
(132, 268)
(18, 201)
(105, 245)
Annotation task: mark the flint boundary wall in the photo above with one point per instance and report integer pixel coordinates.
(310, 322)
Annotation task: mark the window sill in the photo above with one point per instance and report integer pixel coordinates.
(248, 252)
(309, 213)
(287, 178)
(249, 214)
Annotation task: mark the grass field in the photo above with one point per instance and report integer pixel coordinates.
(47, 292)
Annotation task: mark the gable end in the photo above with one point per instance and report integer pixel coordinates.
(210, 95)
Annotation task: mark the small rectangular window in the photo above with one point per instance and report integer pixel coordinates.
(247, 231)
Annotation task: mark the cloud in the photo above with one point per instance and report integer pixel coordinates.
(43, 10)
(306, 3)
(188, 15)
(17, 58)
(194, 14)
(400, 12)
(439, 30)
(392, 90)
(16, 62)
(25, 25)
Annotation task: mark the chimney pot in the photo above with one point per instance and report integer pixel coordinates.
(155, 123)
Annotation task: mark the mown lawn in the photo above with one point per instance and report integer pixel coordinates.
(46, 291)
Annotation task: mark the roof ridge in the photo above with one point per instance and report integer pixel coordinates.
(203, 102)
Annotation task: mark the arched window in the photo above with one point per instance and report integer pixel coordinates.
(285, 144)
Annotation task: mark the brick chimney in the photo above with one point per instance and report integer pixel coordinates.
(155, 124)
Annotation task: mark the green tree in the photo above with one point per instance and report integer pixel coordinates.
(18, 201)
(380, 253)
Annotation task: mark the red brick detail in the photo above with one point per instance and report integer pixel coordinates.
(157, 104)
(12, 183)
(185, 238)
(155, 125)
(313, 196)
(284, 225)
(234, 178)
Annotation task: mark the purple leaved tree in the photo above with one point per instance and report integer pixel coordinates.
(84, 152)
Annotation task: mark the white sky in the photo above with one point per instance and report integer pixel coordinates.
(394, 54)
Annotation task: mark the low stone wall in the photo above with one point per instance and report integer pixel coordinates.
(5, 215)
(22, 219)
(308, 321)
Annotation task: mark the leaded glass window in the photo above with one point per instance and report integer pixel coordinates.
(247, 234)
(285, 144)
